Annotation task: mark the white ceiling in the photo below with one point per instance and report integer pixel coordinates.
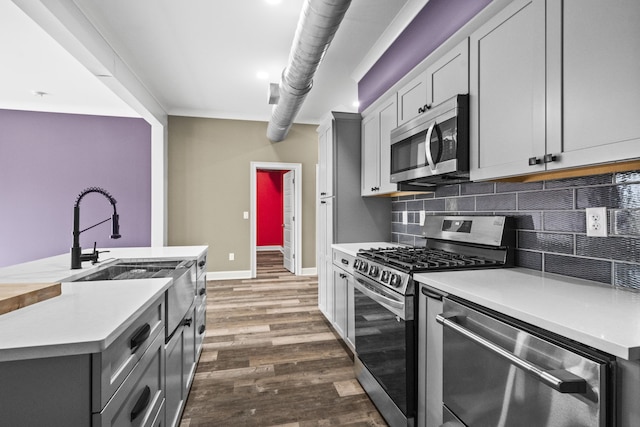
(196, 57)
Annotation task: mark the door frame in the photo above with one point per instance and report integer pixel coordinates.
(297, 211)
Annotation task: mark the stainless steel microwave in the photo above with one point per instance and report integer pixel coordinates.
(433, 148)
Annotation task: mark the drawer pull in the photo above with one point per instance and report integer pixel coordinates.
(202, 263)
(201, 329)
(142, 403)
(203, 291)
(187, 322)
(139, 337)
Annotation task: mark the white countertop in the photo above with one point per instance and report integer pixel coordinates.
(353, 248)
(87, 316)
(600, 316)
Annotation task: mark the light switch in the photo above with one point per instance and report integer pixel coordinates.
(245, 215)
(422, 216)
(405, 217)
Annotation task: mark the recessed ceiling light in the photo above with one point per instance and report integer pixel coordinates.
(38, 93)
(262, 75)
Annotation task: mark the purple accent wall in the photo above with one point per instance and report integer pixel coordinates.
(47, 159)
(435, 23)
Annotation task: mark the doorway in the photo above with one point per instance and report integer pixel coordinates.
(292, 221)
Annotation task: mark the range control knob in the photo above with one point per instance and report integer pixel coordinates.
(385, 276)
(363, 266)
(395, 280)
(356, 264)
(373, 271)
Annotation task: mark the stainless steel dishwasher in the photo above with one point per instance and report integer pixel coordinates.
(499, 372)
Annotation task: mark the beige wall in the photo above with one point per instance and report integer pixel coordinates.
(209, 184)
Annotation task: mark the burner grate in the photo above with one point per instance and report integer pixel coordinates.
(413, 259)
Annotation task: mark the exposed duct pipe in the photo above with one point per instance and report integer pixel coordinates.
(318, 23)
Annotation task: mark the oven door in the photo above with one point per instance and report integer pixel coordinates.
(385, 343)
(505, 374)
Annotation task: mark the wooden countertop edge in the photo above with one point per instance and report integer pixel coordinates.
(18, 295)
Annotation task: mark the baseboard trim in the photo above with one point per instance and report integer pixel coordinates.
(228, 275)
(310, 271)
(269, 248)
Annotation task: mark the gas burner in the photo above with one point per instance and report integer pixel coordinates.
(453, 243)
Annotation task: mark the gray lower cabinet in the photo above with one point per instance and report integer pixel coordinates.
(140, 399)
(343, 297)
(121, 386)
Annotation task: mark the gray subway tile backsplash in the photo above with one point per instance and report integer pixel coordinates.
(625, 223)
(550, 219)
(622, 177)
(545, 200)
(625, 196)
(582, 268)
(571, 221)
(546, 242)
(495, 202)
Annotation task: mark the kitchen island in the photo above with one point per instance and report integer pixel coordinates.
(97, 354)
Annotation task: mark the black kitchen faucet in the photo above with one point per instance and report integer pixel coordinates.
(76, 251)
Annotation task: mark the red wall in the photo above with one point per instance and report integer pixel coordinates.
(269, 201)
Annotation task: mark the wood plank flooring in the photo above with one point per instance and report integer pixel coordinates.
(270, 359)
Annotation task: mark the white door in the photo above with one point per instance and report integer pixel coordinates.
(288, 226)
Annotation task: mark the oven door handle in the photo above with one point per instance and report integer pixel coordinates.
(383, 300)
(560, 379)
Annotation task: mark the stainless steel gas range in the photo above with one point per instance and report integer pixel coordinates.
(386, 304)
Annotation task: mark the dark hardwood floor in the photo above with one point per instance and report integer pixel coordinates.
(270, 358)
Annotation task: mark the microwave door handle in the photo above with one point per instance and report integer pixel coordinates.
(427, 146)
(560, 380)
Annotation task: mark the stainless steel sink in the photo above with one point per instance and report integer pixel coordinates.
(127, 270)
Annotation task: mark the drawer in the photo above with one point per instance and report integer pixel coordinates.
(111, 367)
(201, 324)
(201, 265)
(141, 396)
(201, 287)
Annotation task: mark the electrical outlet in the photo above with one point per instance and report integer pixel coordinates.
(232, 256)
(597, 222)
(245, 215)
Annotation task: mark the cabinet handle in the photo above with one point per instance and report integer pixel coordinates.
(139, 337)
(534, 161)
(187, 322)
(201, 329)
(424, 108)
(345, 261)
(202, 291)
(142, 403)
(343, 276)
(202, 263)
(548, 158)
(323, 202)
(323, 194)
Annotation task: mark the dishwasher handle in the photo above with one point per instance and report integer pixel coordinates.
(559, 379)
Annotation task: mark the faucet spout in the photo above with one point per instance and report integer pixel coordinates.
(76, 251)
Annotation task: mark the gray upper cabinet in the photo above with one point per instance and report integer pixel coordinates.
(554, 85)
(412, 99)
(443, 79)
(376, 151)
(593, 68)
(449, 75)
(507, 91)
